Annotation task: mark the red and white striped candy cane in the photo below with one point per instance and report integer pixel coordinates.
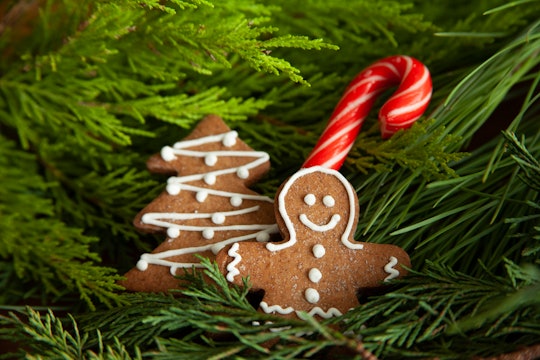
(401, 110)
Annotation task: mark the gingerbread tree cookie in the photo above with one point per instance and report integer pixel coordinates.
(206, 204)
(318, 268)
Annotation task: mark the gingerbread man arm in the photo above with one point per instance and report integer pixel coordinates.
(384, 262)
(235, 264)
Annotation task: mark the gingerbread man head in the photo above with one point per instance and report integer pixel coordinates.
(316, 203)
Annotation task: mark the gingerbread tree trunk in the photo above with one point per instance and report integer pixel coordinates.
(205, 206)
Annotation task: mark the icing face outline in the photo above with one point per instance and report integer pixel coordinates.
(351, 194)
(328, 201)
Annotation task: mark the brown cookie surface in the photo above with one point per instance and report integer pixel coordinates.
(206, 204)
(318, 268)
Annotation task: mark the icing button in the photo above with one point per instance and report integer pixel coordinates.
(315, 275)
(312, 296)
(318, 251)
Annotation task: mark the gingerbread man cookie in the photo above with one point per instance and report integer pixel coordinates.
(205, 206)
(318, 268)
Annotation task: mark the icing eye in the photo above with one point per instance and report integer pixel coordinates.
(309, 199)
(328, 201)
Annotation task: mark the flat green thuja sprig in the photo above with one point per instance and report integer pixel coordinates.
(40, 247)
(421, 149)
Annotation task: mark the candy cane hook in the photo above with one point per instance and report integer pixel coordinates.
(401, 110)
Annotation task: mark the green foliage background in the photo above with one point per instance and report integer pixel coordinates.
(90, 89)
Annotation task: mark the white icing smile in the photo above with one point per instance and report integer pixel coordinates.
(320, 228)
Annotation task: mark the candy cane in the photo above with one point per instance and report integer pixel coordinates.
(401, 110)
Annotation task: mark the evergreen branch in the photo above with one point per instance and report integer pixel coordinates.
(49, 252)
(413, 149)
(528, 164)
(48, 337)
(426, 309)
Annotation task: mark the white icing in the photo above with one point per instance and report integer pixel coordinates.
(208, 234)
(160, 258)
(215, 192)
(309, 199)
(318, 251)
(242, 172)
(328, 201)
(201, 196)
(210, 159)
(312, 295)
(389, 269)
(173, 232)
(275, 308)
(175, 185)
(263, 237)
(236, 200)
(231, 267)
(142, 265)
(320, 228)
(288, 222)
(210, 179)
(211, 176)
(218, 218)
(315, 275)
(325, 314)
(173, 189)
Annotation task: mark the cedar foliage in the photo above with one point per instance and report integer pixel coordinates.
(89, 89)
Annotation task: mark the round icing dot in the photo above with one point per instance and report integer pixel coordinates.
(146, 218)
(312, 295)
(242, 173)
(328, 201)
(142, 265)
(230, 138)
(262, 237)
(167, 153)
(216, 248)
(218, 218)
(315, 275)
(201, 196)
(210, 179)
(309, 199)
(236, 200)
(318, 251)
(208, 234)
(210, 159)
(173, 189)
(173, 232)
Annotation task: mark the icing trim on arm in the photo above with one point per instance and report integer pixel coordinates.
(231, 267)
(389, 269)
